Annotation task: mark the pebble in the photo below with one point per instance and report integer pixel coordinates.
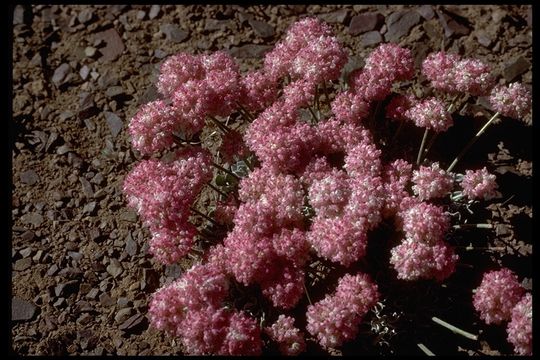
(86, 187)
(131, 246)
(365, 22)
(32, 218)
(336, 17)
(400, 23)
(90, 51)
(122, 315)
(60, 302)
(106, 300)
(92, 294)
(83, 320)
(22, 264)
(114, 91)
(160, 54)
(451, 25)
(18, 15)
(52, 270)
(154, 11)
(67, 288)
(249, 51)
(63, 149)
(29, 177)
(262, 28)
(39, 255)
(115, 268)
(174, 33)
(129, 215)
(75, 255)
(426, 11)
(114, 123)
(94, 234)
(60, 74)
(150, 280)
(28, 236)
(122, 302)
(515, 68)
(89, 208)
(221, 25)
(26, 252)
(85, 15)
(22, 310)
(141, 15)
(371, 38)
(135, 323)
(114, 45)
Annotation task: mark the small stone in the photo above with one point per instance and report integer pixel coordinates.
(400, 23)
(515, 68)
(122, 315)
(141, 15)
(22, 264)
(97, 179)
(63, 149)
(426, 11)
(115, 268)
(92, 294)
(137, 322)
(365, 22)
(52, 270)
(37, 258)
(94, 234)
(67, 288)
(129, 215)
(85, 16)
(22, 310)
(89, 208)
(114, 91)
(32, 218)
(150, 280)
(60, 74)
(28, 236)
(154, 11)
(371, 38)
(131, 246)
(29, 177)
(90, 51)
(221, 25)
(336, 17)
(160, 54)
(84, 319)
(51, 140)
(75, 255)
(174, 33)
(60, 302)
(114, 122)
(452, 24)
(86, 188)
(249, 51)
(122, 302)
(18, 15)
(64, 115)
(262, 28)
(114, 45)
(483, 38)
(106, 300)
(26, 252)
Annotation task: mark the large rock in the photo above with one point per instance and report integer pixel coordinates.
(400, 24)
(365, 22)
(22, 310)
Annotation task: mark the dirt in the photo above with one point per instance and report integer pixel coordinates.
(79, 256)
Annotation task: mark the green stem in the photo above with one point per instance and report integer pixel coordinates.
(454, 329)
(422, 146)
(307, 294)
(432, 140)
(313, 114)
(471, 143)
(425, 349)
(477, 226)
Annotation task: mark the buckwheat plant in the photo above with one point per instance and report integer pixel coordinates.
(304, 175)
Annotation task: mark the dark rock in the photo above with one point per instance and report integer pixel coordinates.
(221, 25)
(131, 246)
(243, 17)
(114, 123)
(106, 300)
(59, 303)
(114, 91)
(515, 68)
(122, 302)
(86, 106)
(28, 236)
(29, 177)
(150, 280)
(61, 74)
(75, 255)
(89, 208)
(97, 179)
(371, 38)
(32, 218)
(92, 294)
(114, 45)
(400, 23)
(297, 9)
(115, 268)
(86, 188)
(70, 273)
(426, 11)
(51, 140)
(160, 54)
(52, 270)
(129, 215)
(85, 16)
(154, 11)
(122, 315)
(483, 38)
(174, 33)
(134, 324)
(75, 160)
(67, 288)
(335, 17)
(107, 79)
(83, 306)
(249, 51)
(150, 94)
(262, 28)
(452, 23)
(22, 264)
(365, 22)
(22, 310)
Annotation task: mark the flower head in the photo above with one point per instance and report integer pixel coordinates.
(289, 338)
(479, 184)
(430, 113)
(423, 222)
(431, 182)
(497, 295)
(393, 60)
(398, 106)
(520, 327)
(349, 107)
(513, 100)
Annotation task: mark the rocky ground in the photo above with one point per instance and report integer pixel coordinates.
(81, 275)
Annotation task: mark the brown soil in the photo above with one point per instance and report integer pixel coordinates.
(80, 267)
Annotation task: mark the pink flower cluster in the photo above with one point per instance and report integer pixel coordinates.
(514, 100)
(396, 176)
(289, 338)
(520, 326)
(192, 308)
(431, 182)
(430, 113)
(497, 295)
(479, 184)
(399, 105)
(162, 194)
(335, 319)
(449, 73)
